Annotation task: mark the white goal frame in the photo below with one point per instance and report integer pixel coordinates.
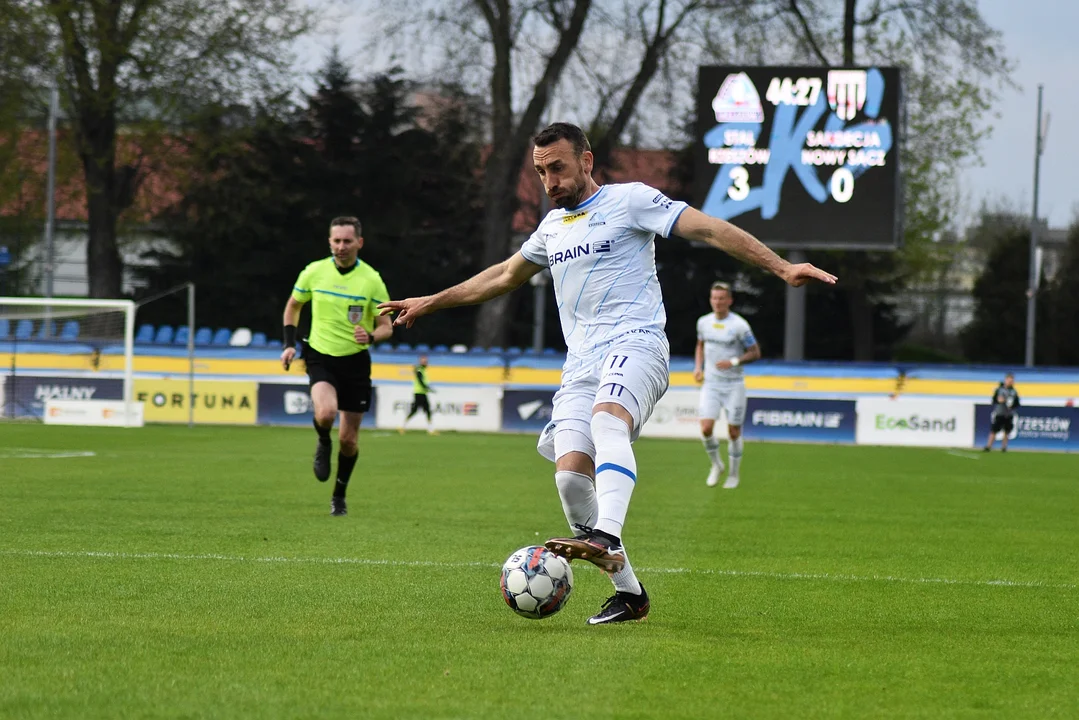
(128, 307)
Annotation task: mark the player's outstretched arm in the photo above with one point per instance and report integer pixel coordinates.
(496, 280)
(692, 224)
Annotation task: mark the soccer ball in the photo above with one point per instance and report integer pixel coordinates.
(535, 582)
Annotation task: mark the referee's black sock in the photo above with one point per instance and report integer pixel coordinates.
(323, 433)
(345, 463)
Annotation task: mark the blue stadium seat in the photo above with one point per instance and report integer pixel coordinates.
(476, 350)
(5, 328)
(221, 337)
(182, 334)
(47, 330)
(70, 333)
(164, 335)
(203, 336)
(550, 351)
(423, 347)
(440, 348)
(258, 340)
(404, 347)
(513, 351)
(273, 344)
(145, 335)
(495, 350)
(24, 330)
(531, 351)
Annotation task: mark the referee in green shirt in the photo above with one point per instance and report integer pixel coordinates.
(344, 292)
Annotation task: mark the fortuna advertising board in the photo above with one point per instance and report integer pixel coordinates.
(916, 422)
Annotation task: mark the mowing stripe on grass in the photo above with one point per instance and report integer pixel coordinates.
(828, 577)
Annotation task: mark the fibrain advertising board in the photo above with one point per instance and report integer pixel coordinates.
(801, 156)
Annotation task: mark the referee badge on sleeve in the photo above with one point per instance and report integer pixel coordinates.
(355, 314)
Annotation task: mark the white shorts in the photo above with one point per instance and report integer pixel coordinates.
(723, 396)
(634, 373)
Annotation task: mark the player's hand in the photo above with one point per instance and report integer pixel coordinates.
(287, 356)
(408, 310)
(362, 336)
(800, 274)
(724, 365)
(698, 376)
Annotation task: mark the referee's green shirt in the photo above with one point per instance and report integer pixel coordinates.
(339, 303)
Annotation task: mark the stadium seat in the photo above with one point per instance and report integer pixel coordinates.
(221, 337)
(531, 351)
(164, 335)
(423, 347)
(513, 351)
(182, 333)
(5, 328)
(440, 348)
(476, 350)
(203, 336)
(241, 337)
(273, 344)
(47, 330)
(258, 340)
(459, 348)
(145, 335)
(404, 347)
(70, 333)
(24, 330)
(550, 351)
(495, 350)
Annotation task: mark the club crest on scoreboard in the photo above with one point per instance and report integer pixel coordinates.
(738, 100)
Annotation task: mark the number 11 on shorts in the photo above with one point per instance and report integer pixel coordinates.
(618, 361)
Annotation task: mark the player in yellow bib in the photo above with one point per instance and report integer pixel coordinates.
(344, 292)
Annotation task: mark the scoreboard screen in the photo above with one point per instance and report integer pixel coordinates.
(801, 157)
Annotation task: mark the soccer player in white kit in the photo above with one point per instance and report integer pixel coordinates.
(725, 343)
(599, 245)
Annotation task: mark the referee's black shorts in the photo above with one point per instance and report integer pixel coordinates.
(419, 402)
(1001, 422)
(350, 376)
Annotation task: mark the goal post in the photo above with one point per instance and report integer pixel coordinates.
(42, 338)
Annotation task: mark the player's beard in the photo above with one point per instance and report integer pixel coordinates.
(570, 198)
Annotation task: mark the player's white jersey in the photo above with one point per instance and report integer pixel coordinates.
(603, 263)
(723, 339)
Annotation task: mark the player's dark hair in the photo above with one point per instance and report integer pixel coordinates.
(563, 131)
(345, 221)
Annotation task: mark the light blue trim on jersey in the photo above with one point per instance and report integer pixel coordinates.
(674, 220)
(300, 290)
(341, 295)
(617, 468)
(587, 202)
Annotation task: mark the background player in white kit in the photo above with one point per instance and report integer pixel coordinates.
(599, 244)
(725, 343)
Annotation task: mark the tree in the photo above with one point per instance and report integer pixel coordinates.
(997, 332)
(952, 63)
(263, 187)
(144, 64)
(1061, 299)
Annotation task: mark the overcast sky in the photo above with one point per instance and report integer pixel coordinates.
(1039, 36)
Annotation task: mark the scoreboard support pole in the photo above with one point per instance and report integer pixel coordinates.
(794, 331)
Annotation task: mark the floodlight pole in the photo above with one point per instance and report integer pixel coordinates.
(539, 289)
(190, 354)
(50, 190)
(1032, 284)
(794, 331)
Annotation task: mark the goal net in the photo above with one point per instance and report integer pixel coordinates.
(64, 349)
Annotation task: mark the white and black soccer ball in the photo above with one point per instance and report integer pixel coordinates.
(536, 583)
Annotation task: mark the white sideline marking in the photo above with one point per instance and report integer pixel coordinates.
(39, 453)
(433, 563)
(968, 456)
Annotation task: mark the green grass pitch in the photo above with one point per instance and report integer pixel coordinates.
(197, 573)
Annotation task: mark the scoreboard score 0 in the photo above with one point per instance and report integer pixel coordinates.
(801, 157)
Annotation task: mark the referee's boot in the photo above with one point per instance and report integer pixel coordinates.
(322, 459)
(338, 506)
